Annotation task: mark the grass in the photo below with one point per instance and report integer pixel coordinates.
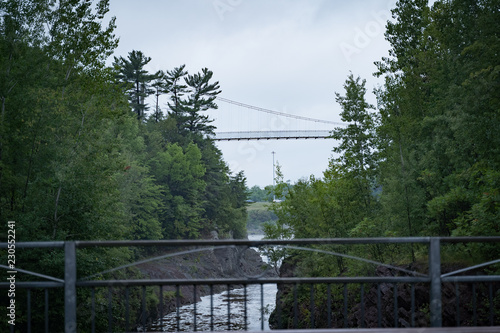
(258, 213)
(258, 206)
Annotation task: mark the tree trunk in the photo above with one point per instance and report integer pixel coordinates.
(55, 212)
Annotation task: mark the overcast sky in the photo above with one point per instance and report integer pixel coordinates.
(284, 55)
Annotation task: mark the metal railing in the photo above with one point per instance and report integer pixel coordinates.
(434, 280)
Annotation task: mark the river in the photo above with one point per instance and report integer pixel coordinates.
(257, 311)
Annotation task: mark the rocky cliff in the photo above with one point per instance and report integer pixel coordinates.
(458, 302)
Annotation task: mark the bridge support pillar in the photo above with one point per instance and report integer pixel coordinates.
(435, 305)
(69, 287)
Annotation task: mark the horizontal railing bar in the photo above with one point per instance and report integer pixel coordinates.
(157, 282)
(28, 245)
(320, 280)
(478, 239)
(32, 284)
(254, 243)
(472, 278)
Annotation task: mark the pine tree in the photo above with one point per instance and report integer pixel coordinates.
(160, 87)
(136, 80)
(177, 90)
(201, 98)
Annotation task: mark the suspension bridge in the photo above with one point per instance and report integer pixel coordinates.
(237, 121)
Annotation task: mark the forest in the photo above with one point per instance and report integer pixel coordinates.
(84, 157)
(424, 161)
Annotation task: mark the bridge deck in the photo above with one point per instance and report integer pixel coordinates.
(272, 135)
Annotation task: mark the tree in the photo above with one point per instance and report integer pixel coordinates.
(57, 159)
(136, 80)
(41, 42)
(438, 111)
(202, 97)
(357, 161)
(68, 31)
(357, 140)
(177, 90)
(258, 194)
(223, 194)
(139, 193)
(237, 197)
(46, 93)
(75, 163)
(189, 100)
(76, 35)
(406, 130)
(160, 87)
(180, 173)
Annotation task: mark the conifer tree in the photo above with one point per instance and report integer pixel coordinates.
(174, 82)
(190, 99)
(201, 98)
(136, 80)
(160, 87)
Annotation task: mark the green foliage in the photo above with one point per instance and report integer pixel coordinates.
(201, 98)
(258, 214)
(180, 174)
(357, 140)
(177, 90)
(257, 194)
(190, 95)
(135, 80)
(426, 162)
(75, 164)
(436, 124)
(331, 207)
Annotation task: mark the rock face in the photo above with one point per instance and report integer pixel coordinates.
(457, 304)
(395, 309)
(214, 263)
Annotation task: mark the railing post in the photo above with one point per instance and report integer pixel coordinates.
(435, 305)
(69, 287)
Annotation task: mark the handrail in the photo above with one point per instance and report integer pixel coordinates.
(318, 280)
(251, 243)
(434, 277)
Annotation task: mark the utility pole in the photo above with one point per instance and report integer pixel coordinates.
(274, 195)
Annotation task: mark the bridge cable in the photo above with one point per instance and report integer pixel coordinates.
(277, 113)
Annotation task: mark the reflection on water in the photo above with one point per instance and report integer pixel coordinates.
(256, 311)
